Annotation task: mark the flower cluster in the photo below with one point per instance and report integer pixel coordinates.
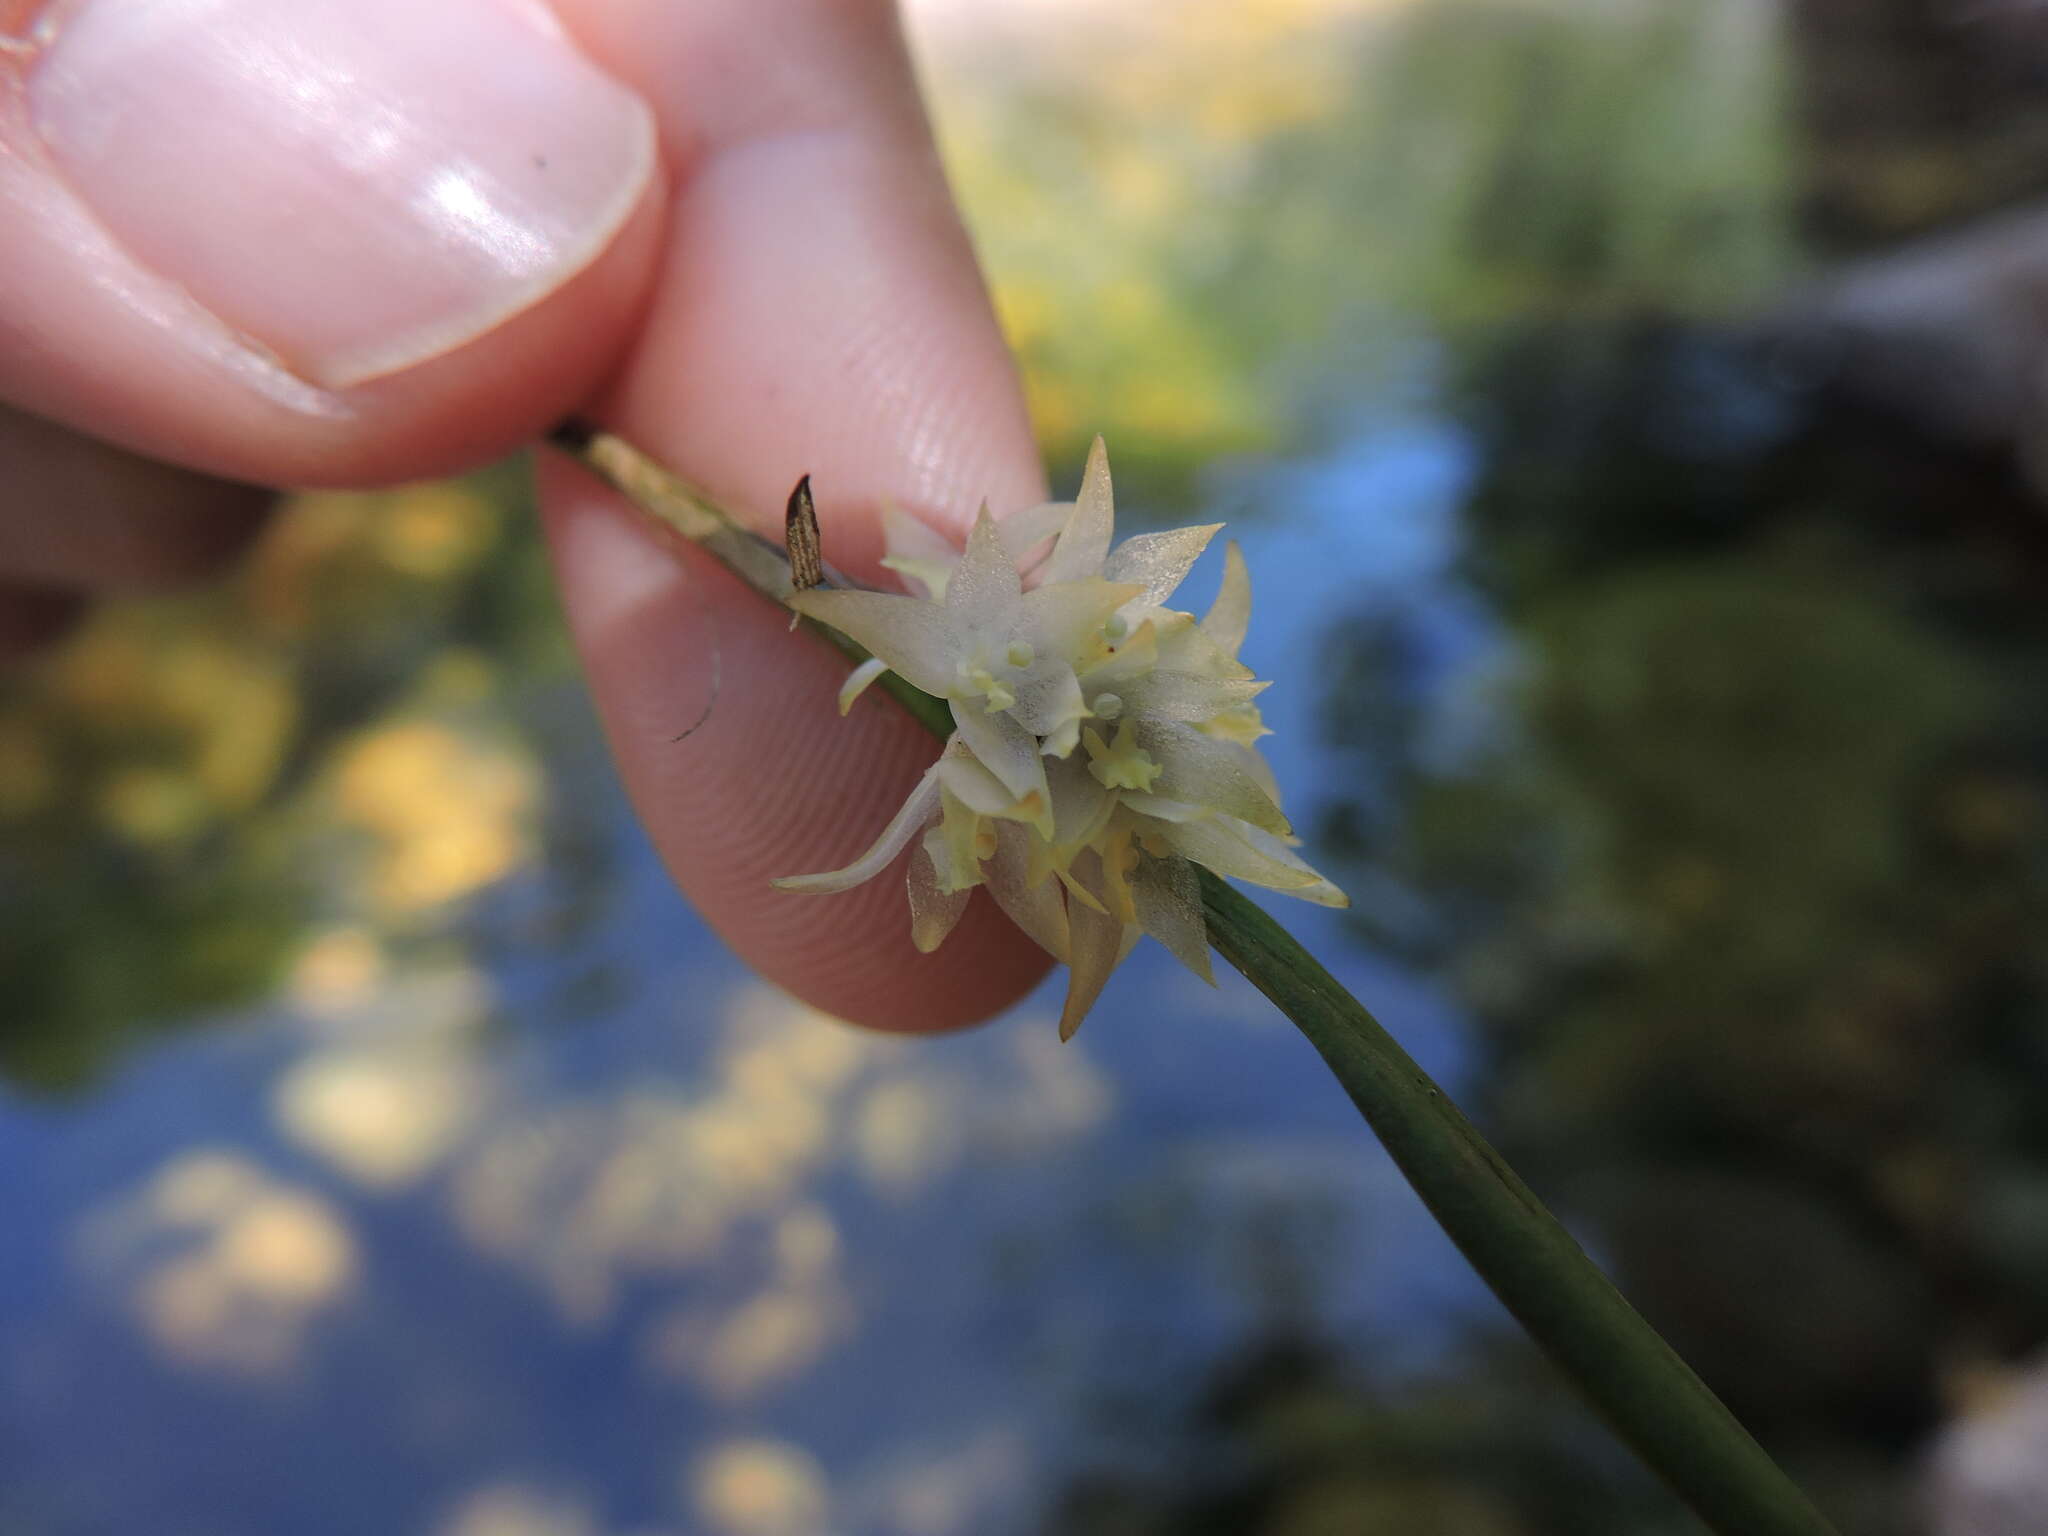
(1104, 742)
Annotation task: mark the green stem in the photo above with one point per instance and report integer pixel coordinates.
(1627, 1372)
(1620, 1363)
(675, 503)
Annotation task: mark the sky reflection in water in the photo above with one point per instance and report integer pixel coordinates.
(702, 1250)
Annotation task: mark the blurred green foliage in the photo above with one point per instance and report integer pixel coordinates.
(1194, 217)
(196, 790)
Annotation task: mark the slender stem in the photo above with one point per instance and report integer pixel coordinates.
(1620, 1363)
(1636, 1381)
(675, 503)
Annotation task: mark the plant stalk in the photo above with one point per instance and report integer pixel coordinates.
(1649, 1396)
(1622, 1366)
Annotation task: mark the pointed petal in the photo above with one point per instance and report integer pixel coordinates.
(1084, 542)
(1005, 748)
(1049, 700)
(1024, 531)
(1201, 770)
(916, 811)
(1036, 908)
(973, 785)
(1253, 762)
(1187, 696)
(985, 585)
(1063, 738)
(1231, 614)
(1063, 619)
(917, 550)
(1158, 562)
(970, 782)
(1242, 726)
(858, 679)
(1169, 902)
(1214, 844)
(1227, 848)
(913, 636)
(1184, 646)
(1112, 667)
(952, 843)
(1159, 807)
(933, 911)
(1096, 946)
(1079, 893)
(926, 577)
(1118, 858)
(1322, 891)
(1081, 807)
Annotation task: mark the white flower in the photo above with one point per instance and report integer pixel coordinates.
(1084, 849)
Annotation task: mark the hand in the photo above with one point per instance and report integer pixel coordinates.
(346, 242)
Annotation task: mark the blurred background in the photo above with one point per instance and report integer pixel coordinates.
(1631, 410)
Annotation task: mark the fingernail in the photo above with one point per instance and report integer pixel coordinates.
(357, 185)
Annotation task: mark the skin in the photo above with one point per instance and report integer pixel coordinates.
(795, 294)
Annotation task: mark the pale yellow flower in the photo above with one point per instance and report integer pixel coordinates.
(1084, 849)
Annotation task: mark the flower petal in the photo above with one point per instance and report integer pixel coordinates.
(1035, 907)
(1253, 762)
(1096, 946)
(1241, 852)
(913, 636)
(1184, 646)
(1160, 807)
(917, 550)
(968, 781)
(928, 577)
(1049, 704)
(1168, 898)
(1005, 748)
(953, 844)
(858, 679)
(1201, 770)
(1024, 531)
(1064, 618)
(1081, 807)
(1187, 696)
(1109, 667)
(916, 811)
(933, 910)
(1084, 542)
(1158, 562)
(1231, 614)
(1324, 893)
(985, 585)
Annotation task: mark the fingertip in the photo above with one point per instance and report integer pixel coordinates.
(770, 781)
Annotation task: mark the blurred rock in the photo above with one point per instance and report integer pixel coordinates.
(1950, 333)
(1988, 1475)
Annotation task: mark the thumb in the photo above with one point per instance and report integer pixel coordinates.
(315, 240)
